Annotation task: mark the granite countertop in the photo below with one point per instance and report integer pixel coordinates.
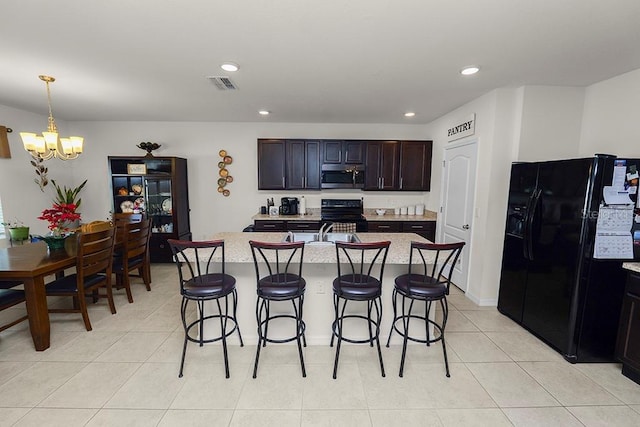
(369, 214)
(237, 246)
(633, 266)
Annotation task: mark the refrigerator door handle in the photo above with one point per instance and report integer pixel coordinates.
(532, 214)
(525, 230)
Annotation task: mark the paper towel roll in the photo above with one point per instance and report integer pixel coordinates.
(303, 206)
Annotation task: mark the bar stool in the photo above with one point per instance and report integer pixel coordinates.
(427, 284)
(201, 271)
(279, 278)
(360, 270)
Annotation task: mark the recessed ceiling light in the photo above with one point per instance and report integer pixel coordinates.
(467, 71)
(264, 112)
(230, 66)
(409, 114)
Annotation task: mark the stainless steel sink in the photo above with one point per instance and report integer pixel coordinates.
(314, 238)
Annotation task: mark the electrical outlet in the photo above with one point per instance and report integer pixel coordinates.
(320, 288)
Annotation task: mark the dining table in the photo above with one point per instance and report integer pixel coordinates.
(31, 263)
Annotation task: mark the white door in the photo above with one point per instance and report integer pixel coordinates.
(458, 193)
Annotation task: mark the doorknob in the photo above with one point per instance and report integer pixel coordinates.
(465, 227)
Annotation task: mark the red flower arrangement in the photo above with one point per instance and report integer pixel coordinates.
(59, 216)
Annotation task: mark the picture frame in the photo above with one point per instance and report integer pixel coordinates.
(274, 211)
(136, 169)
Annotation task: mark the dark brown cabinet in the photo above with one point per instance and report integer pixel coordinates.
(415, 165)
(398, 165)
(350, 152)
(271, 164)
(158, 188)
(302, 165)
(381, 172)
(282, 225)
(384, 226)
(388, 165)
(426, 229)
(628, 342)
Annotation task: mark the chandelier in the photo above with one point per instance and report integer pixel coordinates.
(50, 144)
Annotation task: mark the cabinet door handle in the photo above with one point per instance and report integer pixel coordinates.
(400, 182)
(303, 226)
(283, 182)
(382, 187)
(417, 226)
(383, 226)
(269, 226)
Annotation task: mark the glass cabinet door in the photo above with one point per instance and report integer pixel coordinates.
(159, 205)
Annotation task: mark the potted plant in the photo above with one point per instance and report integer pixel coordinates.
(17, 230)
(59, 217)
(68, 196)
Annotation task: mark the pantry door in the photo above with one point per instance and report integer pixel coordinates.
(457, 207)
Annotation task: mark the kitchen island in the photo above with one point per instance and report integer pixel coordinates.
(319, 270)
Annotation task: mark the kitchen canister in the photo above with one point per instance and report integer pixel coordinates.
(411, 210)
(403, 210)
(396, 211)
(420, 210)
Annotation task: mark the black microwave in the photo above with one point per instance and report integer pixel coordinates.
(342, 176)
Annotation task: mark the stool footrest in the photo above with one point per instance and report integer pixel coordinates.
(376, 332)
(437, 327)
(231, 330)
(282, 340)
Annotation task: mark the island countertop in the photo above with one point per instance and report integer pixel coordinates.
(237, 246)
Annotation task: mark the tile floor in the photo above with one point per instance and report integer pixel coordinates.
(124, 372)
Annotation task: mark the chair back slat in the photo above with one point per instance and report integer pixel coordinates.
(197, 260)
(280, 262)
(95, 253)
(363, 261)
(435, 264)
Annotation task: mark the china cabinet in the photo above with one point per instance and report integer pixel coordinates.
(156, 187)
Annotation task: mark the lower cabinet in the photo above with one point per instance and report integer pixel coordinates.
(159, 250)
(282, 225)
(628, 343)
(426, 229)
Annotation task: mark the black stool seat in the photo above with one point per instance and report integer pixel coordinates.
(420, 287)
(428, 281)
(209, 286)
(201, 269)
(357, 287)
(281, 286)
(279, 278)
(363, 264)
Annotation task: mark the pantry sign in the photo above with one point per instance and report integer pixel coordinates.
(465, 128)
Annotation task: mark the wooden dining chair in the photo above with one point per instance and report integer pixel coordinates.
(94, 226)
(10, 297)
(133, 254)
(94, 261)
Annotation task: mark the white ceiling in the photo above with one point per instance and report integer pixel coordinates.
(333, 61)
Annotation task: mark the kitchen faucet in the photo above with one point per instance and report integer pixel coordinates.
(323, 233)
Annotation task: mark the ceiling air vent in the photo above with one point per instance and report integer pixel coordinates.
(223, 83)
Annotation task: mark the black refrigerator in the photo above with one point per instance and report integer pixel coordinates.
(550, 282)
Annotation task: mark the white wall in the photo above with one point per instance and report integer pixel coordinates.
(199, 143)
(495, 124)
(551, 122)
(611, 116)
(20, 195)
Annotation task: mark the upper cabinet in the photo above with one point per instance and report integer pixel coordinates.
(381, 171)
(415, 165)
(398, 165)
(271, 164)
(387, 165)
(288, 164)
(349, 152)
(303, 165)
